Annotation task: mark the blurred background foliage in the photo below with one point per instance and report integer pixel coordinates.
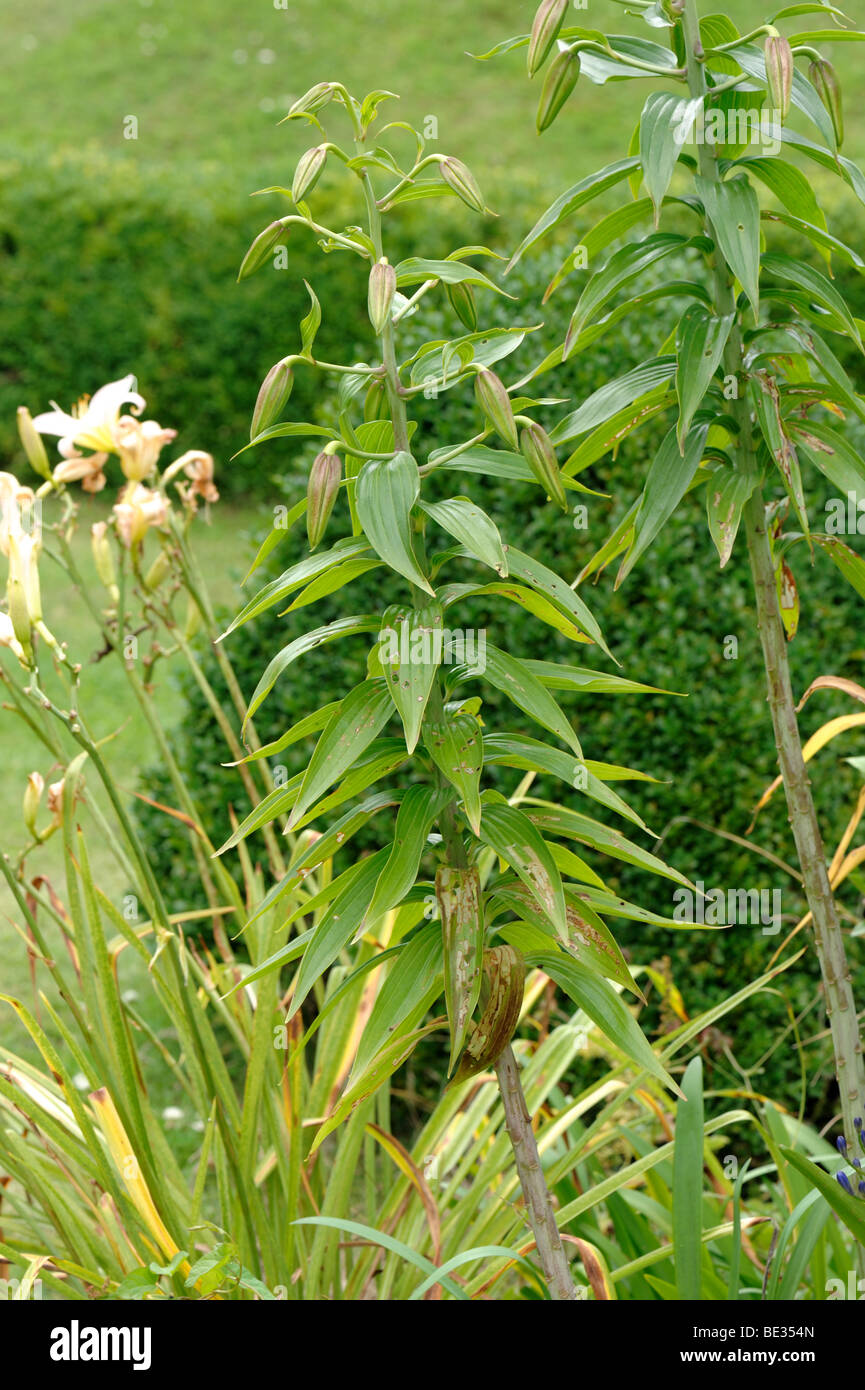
(120, 254)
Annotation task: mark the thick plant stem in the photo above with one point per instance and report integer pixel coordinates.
(551, 1252)
(531, 1175)
(828, 936)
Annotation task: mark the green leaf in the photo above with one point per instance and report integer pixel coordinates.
(413, 983)
(666, 484)
(734, 212)
(571, 201)
(688, 1184)
(509, 832)
(727, 491)
(789, 185)
(764, 397)
(415, 270)
(556, 676)
(665, 121)
(461, 518)
(514, 750)
(803, 96)
(310, 567)
(360, 718)
(419, 809)
(310, 324)
(511, 676)
(345, 916)
(557, 820)
(702, 338)
(386, 491)
(589, 941)
(830, 452)
(383, 758)
(547, 582)
(851, 565)
(623, 266)
(483, 349)
(597, 998)
(816, 286)
(410, 651)
(331, 632)
(613, 397)
(456, 747)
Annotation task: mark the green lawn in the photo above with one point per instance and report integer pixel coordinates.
(208, 82)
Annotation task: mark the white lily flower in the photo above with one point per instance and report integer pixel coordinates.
(8, 638)
(91, 423)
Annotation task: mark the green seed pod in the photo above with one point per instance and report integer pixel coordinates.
(825, 79)
(495, 403)
(560, 81)
(538, 452)
(18, 611)
(547, 23)
(779, 72)
(375, 405)
(460, 178)
(32, 798)
(462, 299)
(501, 1002)
(32, 442)
(275, 391)
(382, 288)
(103, 557)
(324, 479)
(308, 172)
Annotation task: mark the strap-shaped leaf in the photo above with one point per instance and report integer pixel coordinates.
(529, 754)
(419, 809)
(461, 518)
(665, 124)
(557, 820)
(413, 983)
(309, 568)
(763, 393)
(614, 396)
(816, 286)
(360, 718)
(415, 270)
(702, 338)
(341, 627)
(512, 677)
(727, 491)
(556, 676)
(409, 652)
(458, 892)
(343, 919)
(456, 747)
(590, 940)
(547, 582)
(385, 492)
(666, 484)
(517, 841)
(573, 199)
(600, 1001)
(734, 212)
(622, 267)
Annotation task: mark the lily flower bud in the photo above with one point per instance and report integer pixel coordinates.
(31, 439)
(824, 79)
(461, 179)
(560, 81)
(537, 449)
(779, 72)
(159, 570)
(308, 172)
(32, 797)
(103, 558)
(547, 23)
(462, 299)
(324, 479)
(382, 288)
(272, 396)
(495, 403)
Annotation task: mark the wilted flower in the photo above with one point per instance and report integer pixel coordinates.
(84, 468)
(197, 466)
(139, 444)
(14, 498)
(91, 423)
(139, 508)
(54, 800)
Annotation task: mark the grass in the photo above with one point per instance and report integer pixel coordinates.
(207, 83)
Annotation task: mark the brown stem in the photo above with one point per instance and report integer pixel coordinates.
(551, 1252)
